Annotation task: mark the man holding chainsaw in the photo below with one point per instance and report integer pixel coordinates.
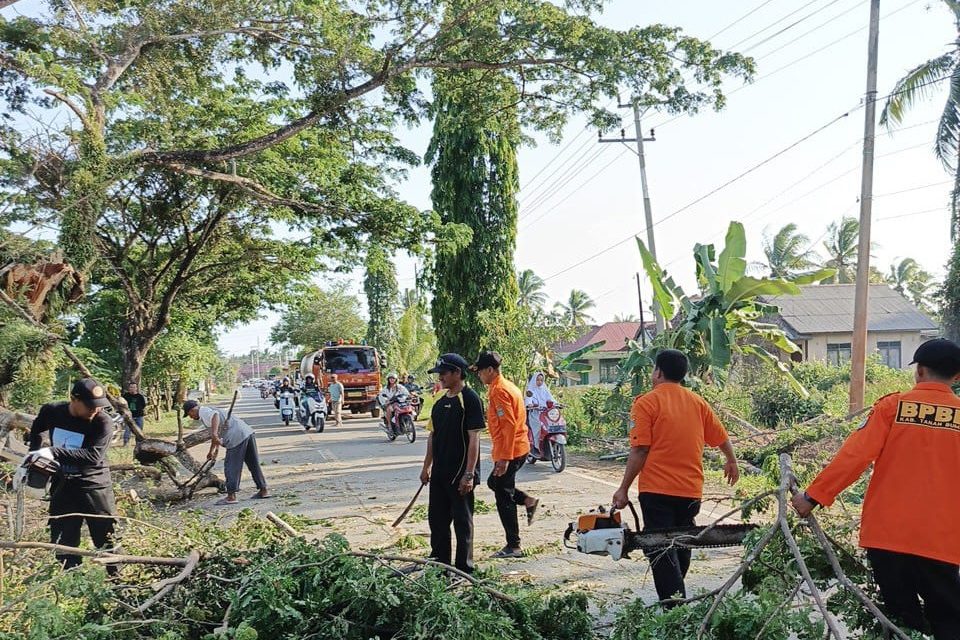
(671, 425)
(910, 522)
(507, 422)
(79, 436)
(238, 439)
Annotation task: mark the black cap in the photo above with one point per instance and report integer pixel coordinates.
(940, 354)
(487, 359)
(90, 392)
(189, 406)
(449, 362)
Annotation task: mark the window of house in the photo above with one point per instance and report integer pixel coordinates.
(890, 353)
(838, 354)
(609, 370)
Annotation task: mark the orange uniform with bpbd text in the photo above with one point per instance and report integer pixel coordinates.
(676, 424)
(506, 420)
(913, 441)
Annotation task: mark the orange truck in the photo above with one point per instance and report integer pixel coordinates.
(358, 368)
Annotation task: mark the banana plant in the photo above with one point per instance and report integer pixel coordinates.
(568, 365)
(723, 319)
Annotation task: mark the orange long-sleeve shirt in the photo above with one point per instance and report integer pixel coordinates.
(911, 505)
(506, 420)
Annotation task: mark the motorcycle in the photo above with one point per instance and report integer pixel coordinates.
(264, 393)
(551, 442)
(417, 403)
(287, 404)
(313, 412)
(402, 422)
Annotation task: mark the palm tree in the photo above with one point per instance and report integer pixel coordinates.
(912, 281)
(921, 82)
(416, 343)
(626, 318)
(531, 290)
(788, 253)
(575, 311)
(841, 245)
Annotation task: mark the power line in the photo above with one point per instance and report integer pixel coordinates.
(561, 178)
(790, 26)
(740, 19)
(912, 213)
(709, 193)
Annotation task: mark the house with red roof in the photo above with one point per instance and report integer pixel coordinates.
(605, 361)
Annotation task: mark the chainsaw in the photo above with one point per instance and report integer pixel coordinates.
(603, 533)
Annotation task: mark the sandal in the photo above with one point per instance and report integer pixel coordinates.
(508, 552)
(225, 501)
(257, 496)
(532, 510)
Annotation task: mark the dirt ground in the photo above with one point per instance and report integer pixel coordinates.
(354, 482)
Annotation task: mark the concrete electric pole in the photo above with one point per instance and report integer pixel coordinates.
(862, 295)
(647, 211)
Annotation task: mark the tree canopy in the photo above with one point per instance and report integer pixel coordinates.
(318, 315)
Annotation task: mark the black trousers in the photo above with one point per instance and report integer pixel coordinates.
(67, 496)
(508, 499)
(447, 506)
(669, 566)
(904, 579)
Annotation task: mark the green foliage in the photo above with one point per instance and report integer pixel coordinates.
(722, 321)
(316, 315)
(29, 365)
(950, 296)
(416, 346)
(524, 337)
(594, 412)
(776, 404)
(574, 311)
(380, 285)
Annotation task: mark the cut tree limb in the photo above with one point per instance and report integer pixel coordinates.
(100, 557)
(280, 524)
(163, 587)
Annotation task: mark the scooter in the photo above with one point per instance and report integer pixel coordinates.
(417, 403)
(313, 412)
(402, 423)
(551, 441)
(287, 404)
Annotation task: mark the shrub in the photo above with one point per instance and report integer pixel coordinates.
(776, 404)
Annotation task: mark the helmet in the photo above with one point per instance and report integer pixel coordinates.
(309, 376)
(393, 374)
(286, 378)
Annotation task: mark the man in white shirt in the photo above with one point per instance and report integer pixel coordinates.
(238, 439)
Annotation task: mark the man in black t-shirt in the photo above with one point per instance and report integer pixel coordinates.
(451, 462)
(79, 436)
(137, 404)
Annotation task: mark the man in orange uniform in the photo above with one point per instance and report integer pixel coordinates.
(910, 519)
(670, 427)
(507, 422)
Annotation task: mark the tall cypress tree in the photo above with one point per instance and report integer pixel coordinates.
(475, 183)
(380, 285)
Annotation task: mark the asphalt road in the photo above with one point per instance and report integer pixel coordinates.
(355, 482)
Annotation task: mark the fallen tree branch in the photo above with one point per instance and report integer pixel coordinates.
(163, 587)
(100, 557)
(433, 563)
(280, 524)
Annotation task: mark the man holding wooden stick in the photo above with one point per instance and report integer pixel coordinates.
(910, 522)
(240, 442)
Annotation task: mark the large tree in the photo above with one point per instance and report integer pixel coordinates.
(575, 311)
(922, 81)
(380, 285)
(319, 315)
(181, 125)
(531, 285)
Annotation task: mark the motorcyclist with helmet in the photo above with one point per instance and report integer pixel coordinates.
(392, 391)
(285, 387)
(310, 387)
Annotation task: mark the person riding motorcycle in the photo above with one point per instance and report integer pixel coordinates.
(537, 397)
(310, 387)
(390, 392)
(285, 387)
(411, 384)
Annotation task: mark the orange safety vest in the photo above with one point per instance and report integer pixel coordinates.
(911, 505)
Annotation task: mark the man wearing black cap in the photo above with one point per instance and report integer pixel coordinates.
(79, 436)
(910, 525)
(507, 422)
(451, 462)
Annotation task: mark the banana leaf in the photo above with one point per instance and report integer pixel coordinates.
(732, 264)
(768, 357)
(813, 276)
(748, 287)
(663, 286)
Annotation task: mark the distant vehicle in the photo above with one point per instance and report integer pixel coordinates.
(358, 369)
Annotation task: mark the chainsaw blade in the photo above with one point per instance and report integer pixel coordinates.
(721, 535)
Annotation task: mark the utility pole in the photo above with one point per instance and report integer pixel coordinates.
(647, 211)
(862, 294)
